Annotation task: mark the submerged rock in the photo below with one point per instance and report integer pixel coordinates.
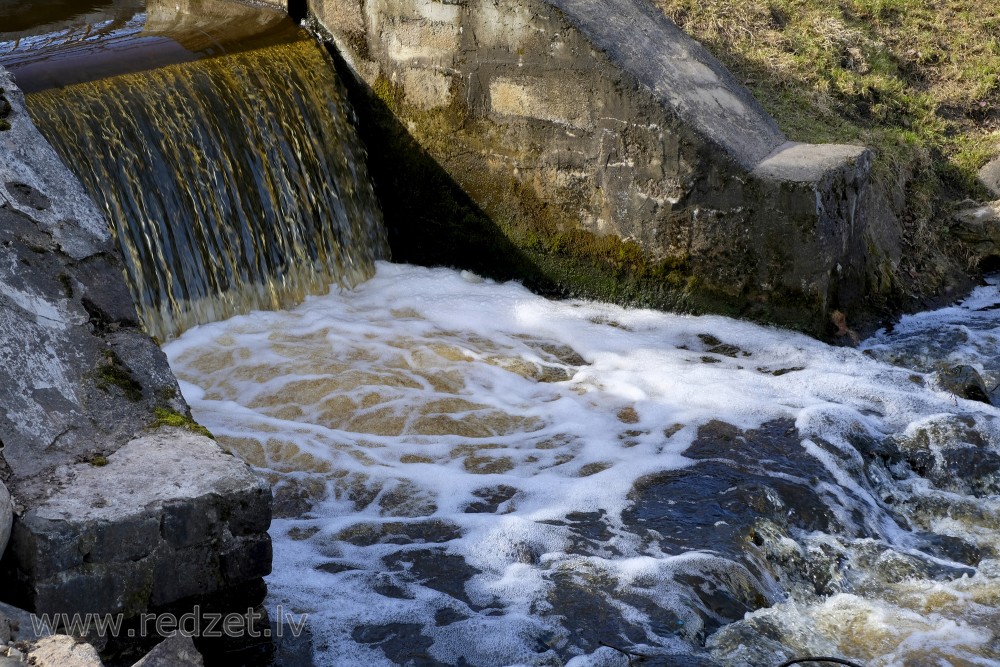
(176, 651)
(958, 454)
(965, 382)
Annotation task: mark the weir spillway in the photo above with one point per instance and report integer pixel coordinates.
(226, 164)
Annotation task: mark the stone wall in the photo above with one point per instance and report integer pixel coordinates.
(120, 502)
(607, 155)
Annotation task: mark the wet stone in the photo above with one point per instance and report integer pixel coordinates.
(715, 503)
(965, 382)
(394, 532)
(435, 569)
(720, 603)
(446, 616)
(564, 354)
(335, 567)
(402, 643)
(951, 548)
(491, 499)
(976, 466)
(587, 613)
(386, 586)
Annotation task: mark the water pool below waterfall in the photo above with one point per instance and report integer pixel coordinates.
(469, 474)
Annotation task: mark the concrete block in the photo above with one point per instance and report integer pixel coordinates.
(558, 99)
(426, 88)
(808, 163)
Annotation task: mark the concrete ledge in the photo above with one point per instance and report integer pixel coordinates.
(809, 163)
(641, 40)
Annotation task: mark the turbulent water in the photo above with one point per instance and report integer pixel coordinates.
(469, 474)
(234, 182)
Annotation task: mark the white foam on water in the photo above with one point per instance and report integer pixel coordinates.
(427, 411)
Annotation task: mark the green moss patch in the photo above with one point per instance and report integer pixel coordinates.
(168, 417)
(113, 374)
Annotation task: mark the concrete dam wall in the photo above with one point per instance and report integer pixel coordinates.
(612, 156)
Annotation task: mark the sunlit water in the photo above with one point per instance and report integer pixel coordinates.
(469, 474)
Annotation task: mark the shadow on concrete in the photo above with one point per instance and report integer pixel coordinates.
(430, 220)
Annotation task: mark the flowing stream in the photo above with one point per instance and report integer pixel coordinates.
(470, 474)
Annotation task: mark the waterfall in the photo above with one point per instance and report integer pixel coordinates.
(232, 183)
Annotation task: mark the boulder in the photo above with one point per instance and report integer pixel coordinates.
(978, 226)
(175, 651)
(965, 382)
(989, 176)
(168, 516)
(63, 651)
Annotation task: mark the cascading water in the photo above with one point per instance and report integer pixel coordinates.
(469, 474)
(233, 182)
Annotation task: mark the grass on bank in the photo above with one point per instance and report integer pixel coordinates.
(916, 80)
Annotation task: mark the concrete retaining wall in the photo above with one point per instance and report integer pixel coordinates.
(614, 154)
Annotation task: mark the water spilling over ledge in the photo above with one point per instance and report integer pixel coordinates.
(234, 182)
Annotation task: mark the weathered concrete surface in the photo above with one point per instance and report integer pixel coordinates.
(113, 511)
(613, 153)
(6, 517)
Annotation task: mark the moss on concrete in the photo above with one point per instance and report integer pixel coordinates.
(168, 417)
(498, 226)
